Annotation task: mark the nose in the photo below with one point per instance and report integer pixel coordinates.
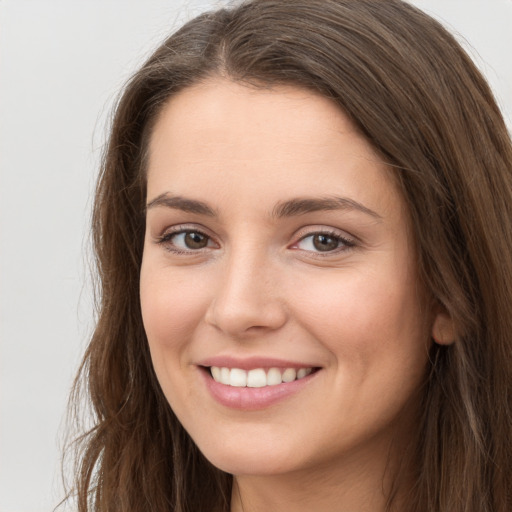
(247, 300)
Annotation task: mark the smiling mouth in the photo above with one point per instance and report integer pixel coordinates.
(258, 377)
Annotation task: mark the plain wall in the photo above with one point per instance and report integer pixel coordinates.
(62, 63)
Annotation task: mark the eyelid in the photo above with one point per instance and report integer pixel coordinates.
(179, 228)
(316, 229)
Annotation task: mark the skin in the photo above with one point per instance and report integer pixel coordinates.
(260, 287)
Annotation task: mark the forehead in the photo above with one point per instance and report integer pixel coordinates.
(242, 113)
(234, 139)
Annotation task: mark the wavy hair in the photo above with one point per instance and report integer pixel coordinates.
(418, 98)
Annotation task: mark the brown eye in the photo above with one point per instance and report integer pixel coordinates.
(185, 241)
(195, 240)
(324, 243)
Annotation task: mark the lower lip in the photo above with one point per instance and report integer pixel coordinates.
(251, 399)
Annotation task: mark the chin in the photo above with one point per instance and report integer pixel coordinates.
(255, 465)
(251, 458)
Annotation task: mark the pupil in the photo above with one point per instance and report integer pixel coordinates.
(325, 243)
(195, 240)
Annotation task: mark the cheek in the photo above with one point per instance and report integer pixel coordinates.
(172, 306)
(373, 330)
(365, 317)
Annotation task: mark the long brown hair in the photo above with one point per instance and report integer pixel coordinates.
(417, 97)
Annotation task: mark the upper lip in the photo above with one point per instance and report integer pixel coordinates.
(253, 362)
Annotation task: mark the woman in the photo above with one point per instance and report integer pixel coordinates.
(302, 228)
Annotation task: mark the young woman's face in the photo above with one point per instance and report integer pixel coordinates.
(279, 289)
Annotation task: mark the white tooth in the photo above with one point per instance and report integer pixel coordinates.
(224, 376)
(215, 370)
(238, 378)
(302, 373)
(289, 374)
(256, 378)
(274, 377)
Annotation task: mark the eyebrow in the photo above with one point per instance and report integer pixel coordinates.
(181, 203)
(290, 208)
(301, 206)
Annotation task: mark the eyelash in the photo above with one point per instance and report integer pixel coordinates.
(166, 241)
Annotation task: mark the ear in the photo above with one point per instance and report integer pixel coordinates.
(443, 330)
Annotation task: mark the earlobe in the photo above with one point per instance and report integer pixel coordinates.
(443, 330)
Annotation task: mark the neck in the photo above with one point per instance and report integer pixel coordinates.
(299, 495)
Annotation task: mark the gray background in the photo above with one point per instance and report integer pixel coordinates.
(62, 63)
